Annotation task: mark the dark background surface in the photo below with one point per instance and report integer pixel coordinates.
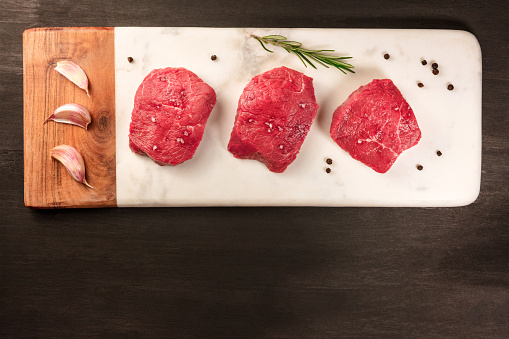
(257, 272)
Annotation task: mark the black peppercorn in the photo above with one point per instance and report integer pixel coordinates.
(328, 170)
(130, 59)
(424, 62)
(213, 57)
(434, 65)
(419, 167)
(386, 56)
(450, 87)
(420, 84)
(329, 161)
(439, 153)
(435, 71)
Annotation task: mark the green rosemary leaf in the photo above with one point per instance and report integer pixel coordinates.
(305, 59)
(273, 37)
(318, 60)
(292, 43)
(298, 54)
(261, 43)
(316, 51)
(334, 61)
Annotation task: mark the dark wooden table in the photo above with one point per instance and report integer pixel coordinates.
(257, 272)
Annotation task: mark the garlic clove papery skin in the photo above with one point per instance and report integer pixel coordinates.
(72, 161)
(74, 73)
(74, 114)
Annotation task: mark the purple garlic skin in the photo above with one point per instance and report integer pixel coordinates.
(74, 114)
(72, 161)
(74, 73)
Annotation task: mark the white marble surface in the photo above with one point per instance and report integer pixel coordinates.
(450, 121)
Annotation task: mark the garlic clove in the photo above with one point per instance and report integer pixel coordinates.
(74, 73)
(74, 114)
(72, 161)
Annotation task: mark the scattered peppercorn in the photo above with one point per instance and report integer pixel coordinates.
(435, 71)
(439, 153)
(424, 62)
(434, 65)
(329, 161)
(386, 56)
(419, 167)
(420, 84)
(450, 87)
(130, 59)
(328, 170)
(213, 57)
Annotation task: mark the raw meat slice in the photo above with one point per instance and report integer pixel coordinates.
(274, 115)
(171, 108)
(375, 125)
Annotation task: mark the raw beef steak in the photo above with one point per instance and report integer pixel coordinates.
(274, 115)
(171, 108)
(375, 124)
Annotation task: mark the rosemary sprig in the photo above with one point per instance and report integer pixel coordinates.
(306, 55)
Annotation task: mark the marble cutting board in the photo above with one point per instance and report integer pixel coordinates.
(450, 120)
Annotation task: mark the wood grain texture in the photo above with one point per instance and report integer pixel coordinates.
(47, 183)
